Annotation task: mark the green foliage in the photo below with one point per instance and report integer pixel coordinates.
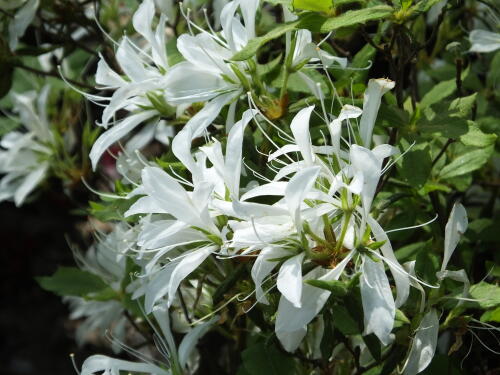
(72, 281)
(264, 358)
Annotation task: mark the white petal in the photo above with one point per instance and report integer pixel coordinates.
(371, 104)
(286, 149)
(181, 148)
(365, 161)
(232, 170)
(21, 21)
(188, 264)
(249, 10)
(291, 322)
(378, 303)
(29, 183)
(189, 341)
(205, 53)
(157, 287)
(272, 188)
(171, 197)
(455, 227)
(423, 345)
(117, 132)
(130, 62)
(188, 83)
(111, 366)
(145, 205)
(289, 281)
(398, 273)
(199, 122)
(262, 267)
(300, 184)
(106, 76)
(300, 130)
(484, 41)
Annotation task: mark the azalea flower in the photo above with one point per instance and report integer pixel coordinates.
(177, 360)
(181, 217)
(207, 75)
(425, 341)
(142, 87)
(24, 156)
(279, 232)
(107, 260)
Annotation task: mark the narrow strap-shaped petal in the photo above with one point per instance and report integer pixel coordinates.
(378, 304)
(423, 345)
(290, 279)
(455, 227)
(117, 132)
(187, 265)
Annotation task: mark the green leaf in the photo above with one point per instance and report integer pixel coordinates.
(466, 163)
(344, 322)
(476, 138)
(264, 69)
(373, 344)
(408, 252)
(7, 73)
(424, 5)
(491, 316)
(439, 92)
(7, 125)
(444, 125)
(71, 281)
(337, 288)
(314, 5)
(463, 106)
(417, 165)
(173, 54)
(109, 210)
(315, 22)
(253, 45)
(392, 116)
(260, 359)
(321, 24)
(493, 77)
(487, 296)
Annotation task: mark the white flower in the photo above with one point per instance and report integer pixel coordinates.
(144, 68)
(178, 360)
(207, 74)
(107, 260)
(24, 156)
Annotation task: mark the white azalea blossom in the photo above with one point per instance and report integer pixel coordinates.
(207, 74)
(24, 156)
(176, 359)
(144, 70)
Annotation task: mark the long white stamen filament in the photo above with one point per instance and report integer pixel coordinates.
(101, 194)
(399, 269)
(413, 226)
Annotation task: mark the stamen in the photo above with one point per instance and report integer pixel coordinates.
(413, 226)
(72, 356)
(111, 196)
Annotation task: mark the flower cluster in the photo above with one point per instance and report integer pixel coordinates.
(254, 201)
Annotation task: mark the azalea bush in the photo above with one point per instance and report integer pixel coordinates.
(269, 187)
